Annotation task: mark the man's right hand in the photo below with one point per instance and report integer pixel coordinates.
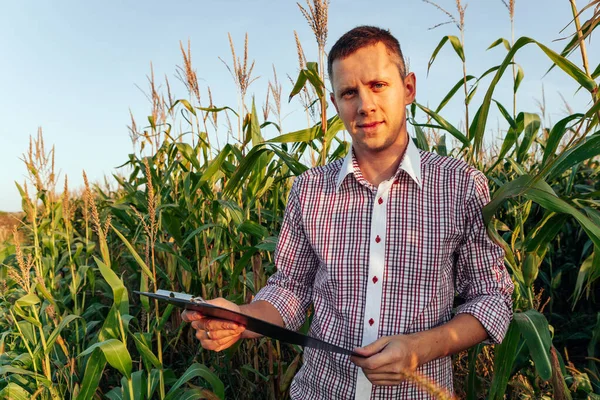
(215, 334)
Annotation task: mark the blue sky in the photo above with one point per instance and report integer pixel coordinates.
(74, 67)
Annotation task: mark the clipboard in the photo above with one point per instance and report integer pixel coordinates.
(253, 324)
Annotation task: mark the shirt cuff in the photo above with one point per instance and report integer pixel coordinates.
(289, 306)
(492, 312)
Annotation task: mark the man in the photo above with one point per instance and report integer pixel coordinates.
(379, 243)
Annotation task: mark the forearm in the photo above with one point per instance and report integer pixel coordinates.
(263, 310)
(460, 333)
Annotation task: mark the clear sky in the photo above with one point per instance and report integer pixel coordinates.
(74, 67)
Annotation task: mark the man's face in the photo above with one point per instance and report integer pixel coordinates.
(371, 98)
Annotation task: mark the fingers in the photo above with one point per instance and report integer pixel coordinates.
(217, 334)
(210, 342)
(374, 347)
(189, 316)
(385, 379)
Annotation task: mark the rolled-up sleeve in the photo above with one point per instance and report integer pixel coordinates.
(481, 277)
(289, 289)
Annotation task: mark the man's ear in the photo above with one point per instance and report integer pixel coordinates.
(410, 88)
(332, 98)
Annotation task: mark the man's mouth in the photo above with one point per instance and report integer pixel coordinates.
(369, 125)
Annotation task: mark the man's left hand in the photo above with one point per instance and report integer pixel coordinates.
(388, 359)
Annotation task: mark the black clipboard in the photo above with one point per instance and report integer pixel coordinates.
(256, 325)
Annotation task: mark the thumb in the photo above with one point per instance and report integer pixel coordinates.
(373, 348)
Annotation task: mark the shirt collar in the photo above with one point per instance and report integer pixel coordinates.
(411, 164)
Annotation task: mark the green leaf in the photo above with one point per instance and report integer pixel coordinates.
(189, 154)
(116, 354)
(556, 134)
(145, 351)
(138, 383)
(28, 300)
(254, 229)
(300, 136)
(445, 125)
(506, 353)
(586, 150)
(503, 41)
(552, 203)
(532, 125)
(472, 378)
(570, 68)
(8, 369)
(186, 104)
(135, 255)
(194, 371)
(12, 391)
(253, 128)
(54, 335)
(535, 331)
(506, 115)
(215, 164)
(452, 92)
(196, 231)
(563, 63)
(589, 268)
(457, 48)
(518, 78)
(120, 294)
(421, 140)
(516, 187)
(268, 244)
(299, 84)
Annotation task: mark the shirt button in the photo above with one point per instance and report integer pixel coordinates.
(375, 279)
(380, 200)
(371, 322)
(377, 239)
(396, 182)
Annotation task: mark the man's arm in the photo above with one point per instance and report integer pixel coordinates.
(389, 358)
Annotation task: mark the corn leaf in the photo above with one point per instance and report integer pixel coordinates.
(13, 391)
(556, 134)
(120, 293)
(135, 255)
(445, 125)
(535, 331)
(116, 354)
(457, 48)
(198, 370)
(506, 354)
(531, 123)
(54, 335)
(94, 367)
(452, 92)
(499, 41)
(584, 151)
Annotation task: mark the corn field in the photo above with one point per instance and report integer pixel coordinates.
(193, 215)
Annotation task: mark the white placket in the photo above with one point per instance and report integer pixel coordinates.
(377, 246)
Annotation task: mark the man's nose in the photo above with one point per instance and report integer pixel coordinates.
(366, 103)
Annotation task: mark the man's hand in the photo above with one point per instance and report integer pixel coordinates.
(215, 334)
(388, 359)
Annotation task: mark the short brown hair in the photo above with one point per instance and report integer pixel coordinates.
(363, 36)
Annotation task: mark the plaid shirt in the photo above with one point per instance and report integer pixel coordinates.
(382, 261)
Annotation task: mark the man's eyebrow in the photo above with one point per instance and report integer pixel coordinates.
(346, 87)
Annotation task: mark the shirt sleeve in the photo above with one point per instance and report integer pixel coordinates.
(481, 277)
(289, 289)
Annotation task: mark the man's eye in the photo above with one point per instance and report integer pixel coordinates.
(379, 85)
(348, 93)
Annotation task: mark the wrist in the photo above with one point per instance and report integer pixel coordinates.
(425, 348)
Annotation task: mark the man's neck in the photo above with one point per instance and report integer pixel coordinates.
(377, 167)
